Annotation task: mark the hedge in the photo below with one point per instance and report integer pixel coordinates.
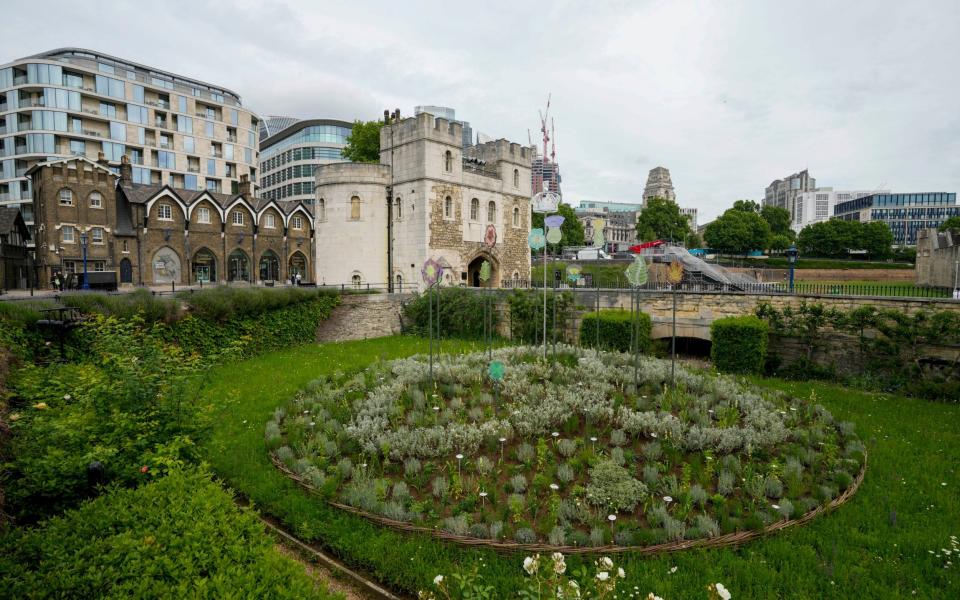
(614, 331)
(739, 344)
(180, 536)
(461, 313)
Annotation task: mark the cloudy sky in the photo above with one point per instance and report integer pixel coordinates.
(727, 95)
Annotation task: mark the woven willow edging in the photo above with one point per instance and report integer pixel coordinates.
(729, 539)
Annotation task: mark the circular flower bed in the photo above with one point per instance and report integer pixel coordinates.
(565, 453)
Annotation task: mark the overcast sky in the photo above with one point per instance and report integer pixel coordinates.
(727, 95)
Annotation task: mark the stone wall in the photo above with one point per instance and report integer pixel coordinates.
(363, 316)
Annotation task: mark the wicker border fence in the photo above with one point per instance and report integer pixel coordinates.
(729, 539)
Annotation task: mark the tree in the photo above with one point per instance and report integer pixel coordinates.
(746, 206)
(836, 238)
(363, 143)
(877, 239)
(778, 219)
(572, 228)
(661, 219)
(779, 242)
(737, 232)
(693, 240)
(951, 223)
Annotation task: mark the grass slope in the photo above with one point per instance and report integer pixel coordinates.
(877, 545)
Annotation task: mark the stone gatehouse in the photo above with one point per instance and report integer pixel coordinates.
(156, 234)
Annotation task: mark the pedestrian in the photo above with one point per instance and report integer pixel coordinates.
(298, 278)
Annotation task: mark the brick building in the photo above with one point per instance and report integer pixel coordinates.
(156, 234)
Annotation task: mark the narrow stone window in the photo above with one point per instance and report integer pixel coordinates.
(474, 209)
(355, 208)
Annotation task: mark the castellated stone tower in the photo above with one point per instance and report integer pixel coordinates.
(443, 203)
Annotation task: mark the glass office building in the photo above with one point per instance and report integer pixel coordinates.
(71, 101)
(289, 157)
(905, 214)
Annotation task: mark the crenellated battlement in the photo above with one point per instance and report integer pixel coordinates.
(422, 126)
(501, 151)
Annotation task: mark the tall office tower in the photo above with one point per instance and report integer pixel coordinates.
(783, 192)
(175, 130)
(274, 124)
(289, 157)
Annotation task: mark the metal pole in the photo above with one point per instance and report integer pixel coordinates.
(636, 342)
(430, 327)
(544, 300)
(598, 316)
(554, 319)
(673, 343)
(791, 277)
(86, 281)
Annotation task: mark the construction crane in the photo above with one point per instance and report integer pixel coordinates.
(544, 115)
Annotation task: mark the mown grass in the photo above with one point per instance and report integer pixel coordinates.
(875, 546)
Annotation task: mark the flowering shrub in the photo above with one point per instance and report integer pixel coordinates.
(566, 453)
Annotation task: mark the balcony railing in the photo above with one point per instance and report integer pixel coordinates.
(193, 169)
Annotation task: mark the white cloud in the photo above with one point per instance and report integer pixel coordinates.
(728, 96)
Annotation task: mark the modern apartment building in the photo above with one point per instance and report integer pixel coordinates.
(175, 130)
(783, 192)
(289, 157)
(905, 214)
(815, 206)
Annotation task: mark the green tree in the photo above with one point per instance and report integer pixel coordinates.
(661, 219)
(779, 242)
(877, 239)
(693, 240)
(737, 232)
(951, 223)
(572, 228)
(746, 206)
(778, 219)
(363, 143)
(834, 238)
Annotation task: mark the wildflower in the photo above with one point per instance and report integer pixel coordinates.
(144, 469)
(14, 416)
(67, 397)
(673, 570)
(651, 596)
(621, 573)
(668, 499)
(603, 575)
(606, 563)
(554, 487)
(531, 564)
(41, 406)
(438, 580)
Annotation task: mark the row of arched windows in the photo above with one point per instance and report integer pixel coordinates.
(475, 211)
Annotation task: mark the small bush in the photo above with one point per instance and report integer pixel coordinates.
(611, 486)
(614, 330)
(460, 314)
(180, 536)
(739, 344)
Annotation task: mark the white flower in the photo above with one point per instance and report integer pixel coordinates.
(66, 396)
(438, 580)
(606, 563)
(651, 596)
(673, 569)
(621, 573)
(723, 592)
(667, 499)
(554, 487)
(603, 575)
(559, 566)
(531, 564)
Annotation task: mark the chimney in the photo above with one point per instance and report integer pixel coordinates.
(244, 188)
(126, 170)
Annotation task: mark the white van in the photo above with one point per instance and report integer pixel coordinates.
(592, 254)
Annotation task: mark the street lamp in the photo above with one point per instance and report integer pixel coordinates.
(792, 254)
(83, 245)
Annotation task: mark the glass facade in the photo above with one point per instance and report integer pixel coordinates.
(287, 165)
(46, 102)
(905, 214)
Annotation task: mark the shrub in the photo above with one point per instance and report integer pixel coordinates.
(460, 315)
(526, 315)
(739, 344)
(614, 330)
(525, 535)
(440, 487)
(565, 473)
(180, 536)
(519, 483)
(566, 447)
(612, 487)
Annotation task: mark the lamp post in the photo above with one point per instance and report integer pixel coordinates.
(83, 245)
(792, 254)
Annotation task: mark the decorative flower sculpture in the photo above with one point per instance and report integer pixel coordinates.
(536, 239)
(675, 272)
(598, 240)
(553, 222)
(637, 271)
(432, 271)
(485, 271)
(573, 274)
(490, 237)
(497, 371)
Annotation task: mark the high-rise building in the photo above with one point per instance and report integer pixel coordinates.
(905, 214)
(783, 192)
(450, 114)
(175, 130)
(659, 185)
(690, 213)
(813, 207)
(274, 124)
(289, 157)
(544, 173)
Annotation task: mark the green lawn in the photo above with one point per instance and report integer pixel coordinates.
(876, 546)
